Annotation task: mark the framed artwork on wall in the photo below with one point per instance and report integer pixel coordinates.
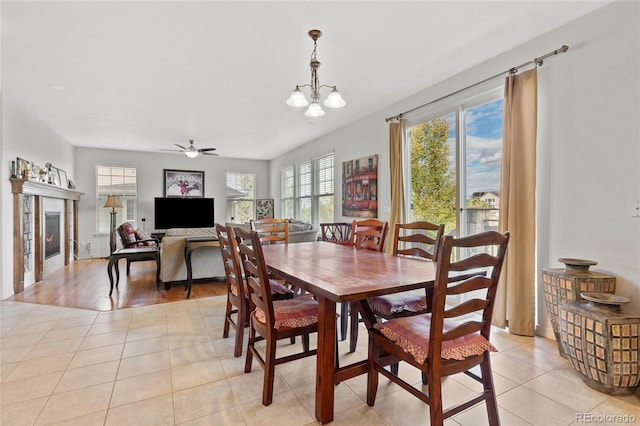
(183, 183)
(360, 187)
(264, 209)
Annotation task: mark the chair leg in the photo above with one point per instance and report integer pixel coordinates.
(240, 321)
(269, 372)
(344, 320)
(394, 368)
(227, 318)
(128, 266)
(372, 374)
(305, 343)
(353, 338)
(487, 383)
(250, 349)
(434, 382)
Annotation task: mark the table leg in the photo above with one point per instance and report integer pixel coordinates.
(326, 362)
(117, 268)
(189, 273)
(110, 273)
(158, 271)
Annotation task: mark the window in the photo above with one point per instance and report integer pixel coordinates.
(324, 189)
(307, 190)
(241, 196)
(120, 181)
(288, 192)
(455, 161)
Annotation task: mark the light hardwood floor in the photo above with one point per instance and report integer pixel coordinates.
(85, 284)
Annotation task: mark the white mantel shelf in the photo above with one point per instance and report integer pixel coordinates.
(21, 188)
(31, 187)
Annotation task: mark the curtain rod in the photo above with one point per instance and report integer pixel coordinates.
(538, 61)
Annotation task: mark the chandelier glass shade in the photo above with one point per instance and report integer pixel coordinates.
(298, 99)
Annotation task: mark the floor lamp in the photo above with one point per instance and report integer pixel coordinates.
(113, 202)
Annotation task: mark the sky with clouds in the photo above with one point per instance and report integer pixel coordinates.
(483, 146)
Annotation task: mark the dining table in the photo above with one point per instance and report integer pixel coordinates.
(336, 273)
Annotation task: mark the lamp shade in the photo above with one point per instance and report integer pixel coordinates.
(334, 100)
(297, 98)
(314, 110)
(113, 201)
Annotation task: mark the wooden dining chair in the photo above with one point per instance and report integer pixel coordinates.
(449, 340)
(367, 234)
(237, 293)
(272, 320)
(271, 231)
(336, 232)
(417, 240)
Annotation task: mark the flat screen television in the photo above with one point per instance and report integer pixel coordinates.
(183, 213)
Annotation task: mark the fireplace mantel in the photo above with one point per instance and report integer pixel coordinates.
(22, 188)
(30, 187)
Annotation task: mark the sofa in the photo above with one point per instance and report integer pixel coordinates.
(299, 231)
(206, 262)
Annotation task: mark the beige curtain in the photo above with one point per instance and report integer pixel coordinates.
(515, 303)
(397, 136)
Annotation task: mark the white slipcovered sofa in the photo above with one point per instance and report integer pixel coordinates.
(299, 231)
(206, 262)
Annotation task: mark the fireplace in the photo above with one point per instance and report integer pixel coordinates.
(51, 234)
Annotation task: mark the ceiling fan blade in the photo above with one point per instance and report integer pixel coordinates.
(206, 149)
(172, 150)
(180, 146)
(210, 153)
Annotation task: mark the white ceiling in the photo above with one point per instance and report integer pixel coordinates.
(146, 75)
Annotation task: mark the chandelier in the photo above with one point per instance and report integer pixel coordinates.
(297, 98)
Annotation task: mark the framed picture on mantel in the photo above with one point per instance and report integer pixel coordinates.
(183, 183)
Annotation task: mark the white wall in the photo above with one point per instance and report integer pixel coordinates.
(23, 135)
(588, 144)
(150, 175)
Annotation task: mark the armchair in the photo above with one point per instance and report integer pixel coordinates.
(131, 239)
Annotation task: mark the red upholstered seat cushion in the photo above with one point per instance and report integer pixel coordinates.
(399, 302)
(412, 335)
(297, 312)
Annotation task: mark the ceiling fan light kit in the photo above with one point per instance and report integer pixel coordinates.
(297, 98)
(192, 151)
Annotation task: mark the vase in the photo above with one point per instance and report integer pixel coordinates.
(566, 284)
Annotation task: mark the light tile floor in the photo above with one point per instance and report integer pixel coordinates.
(168, 364)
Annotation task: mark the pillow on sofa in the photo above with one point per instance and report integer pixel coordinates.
(298, 227)
(143, 235)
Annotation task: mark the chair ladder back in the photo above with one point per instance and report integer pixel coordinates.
(466, 316)
(369, 234)
(231, 259)
(335, 232)
(256, 276)
(418, 239)
(271, 231)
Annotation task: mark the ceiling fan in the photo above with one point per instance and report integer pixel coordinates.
(192, 151)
